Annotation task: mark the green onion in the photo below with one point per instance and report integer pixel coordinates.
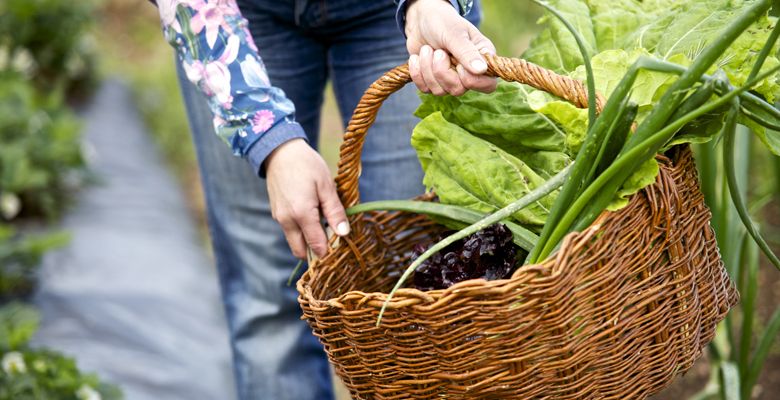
(762, 351)
(586, 157)
(590, 81)
(749, 291)
(703, 94)
(762, 118)
(613, 177)
(615, 138)
(294, 272)
(522, 236)
(757, 107)
(731, 179)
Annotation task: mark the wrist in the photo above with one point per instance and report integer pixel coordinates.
(414, 8)
(278, 154)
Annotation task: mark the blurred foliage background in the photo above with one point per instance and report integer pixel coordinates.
(48, 66)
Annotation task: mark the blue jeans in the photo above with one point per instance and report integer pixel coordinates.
(303, 43)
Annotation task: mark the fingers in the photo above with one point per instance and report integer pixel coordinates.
(432, 71)
(301, 224)
(416, 73)
(294, 238)
(465, 50)
(313, 233)
(468, 48)
(309, 219)
(302, 229)
(426, 67)
(447, 78)
(480, 83)
(332, 209)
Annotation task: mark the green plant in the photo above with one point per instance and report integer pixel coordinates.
(510, 24)
(40, 374)
(18, 323)
(41, 160)
(581, 199)
(49, 41)
(738, 358)
(742, 344)
(19, 259)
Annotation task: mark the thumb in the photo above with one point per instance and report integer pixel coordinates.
(467, 47)
(332, 209)
(484, 44)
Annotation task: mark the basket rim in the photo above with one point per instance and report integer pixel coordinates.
(411, 296)
(430, 298)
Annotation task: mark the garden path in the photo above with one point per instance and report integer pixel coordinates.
(134, 296)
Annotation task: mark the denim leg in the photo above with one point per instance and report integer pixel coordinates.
(275, 355)
(372, 46)
(390, 169)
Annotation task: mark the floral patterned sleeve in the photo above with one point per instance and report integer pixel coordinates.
(217, 52)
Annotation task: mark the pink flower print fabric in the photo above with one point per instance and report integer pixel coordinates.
(218, 55)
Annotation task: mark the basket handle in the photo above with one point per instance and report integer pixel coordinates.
(508, 69)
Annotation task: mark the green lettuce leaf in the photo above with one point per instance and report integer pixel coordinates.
(644, 176)
(504, 113)
(770, 138)
(505, 119)
(663, 28)
(687, 27)
(555, 47)
(468, 171)
(614, 21)
(572, 120)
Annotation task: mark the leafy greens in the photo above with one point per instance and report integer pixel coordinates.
(483, 151)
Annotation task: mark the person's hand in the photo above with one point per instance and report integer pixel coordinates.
(434, 30)
(300, 188)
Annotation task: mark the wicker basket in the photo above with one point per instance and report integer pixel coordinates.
(616, 313)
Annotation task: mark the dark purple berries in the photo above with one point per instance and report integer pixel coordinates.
(488, 254)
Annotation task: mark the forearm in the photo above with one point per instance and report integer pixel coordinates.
(218, 55)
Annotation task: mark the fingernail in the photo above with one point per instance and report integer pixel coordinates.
(438, 55)
(413, 61)
(478, 65)
(425, 50)
(485, 50)
(342, 229)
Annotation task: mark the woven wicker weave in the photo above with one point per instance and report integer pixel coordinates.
(616, 313)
